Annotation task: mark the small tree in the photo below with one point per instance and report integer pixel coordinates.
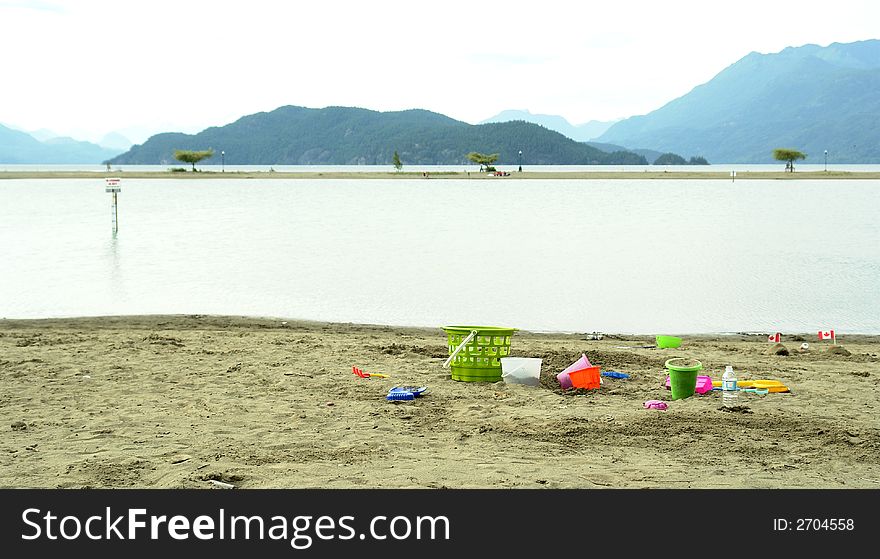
(789, 155)
(192, 157)
(395, 160)
(482, 159)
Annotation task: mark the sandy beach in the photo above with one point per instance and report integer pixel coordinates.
(178, 401)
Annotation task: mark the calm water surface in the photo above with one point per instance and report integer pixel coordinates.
(563, 255)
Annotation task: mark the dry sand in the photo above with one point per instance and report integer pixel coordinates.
(176, 401)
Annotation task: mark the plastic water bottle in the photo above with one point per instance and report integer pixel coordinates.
(728, 387)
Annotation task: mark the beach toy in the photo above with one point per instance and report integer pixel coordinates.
(405, 392)
(581, 363)
(475, 352)
(704, 384)
(770, 385)
(521, 370)
(362, 374)
(683, 376)
(668, 341)
(563, 377)
(564, 380)
(614, 374)
(585, 378)
(655, 405)
(754, 390)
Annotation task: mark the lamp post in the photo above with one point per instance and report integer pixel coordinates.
(222, 161)
(826, 160)
(520, 161)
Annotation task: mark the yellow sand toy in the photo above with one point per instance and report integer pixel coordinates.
(768, 385)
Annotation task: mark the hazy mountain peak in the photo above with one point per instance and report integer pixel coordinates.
(21, 147)
(810, 98)
(115, 140)
(43, 134)
(580, 132)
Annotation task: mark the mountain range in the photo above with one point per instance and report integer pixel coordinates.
(19, 147)
(293, 135)
(808, 98)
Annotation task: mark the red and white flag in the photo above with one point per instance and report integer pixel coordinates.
(774, 338)
(826, 334)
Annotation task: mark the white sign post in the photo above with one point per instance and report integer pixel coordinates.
(733, 176)
(114, 187)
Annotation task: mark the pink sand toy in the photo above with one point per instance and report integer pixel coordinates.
(655, 405)
(564, 379)
(704, 384)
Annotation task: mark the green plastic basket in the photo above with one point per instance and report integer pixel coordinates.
(479, 359)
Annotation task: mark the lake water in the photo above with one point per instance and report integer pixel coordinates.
(631, 256)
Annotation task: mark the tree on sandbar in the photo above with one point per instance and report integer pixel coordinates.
(192, 157)
(789, 155)
(395, 160)
(483, 159)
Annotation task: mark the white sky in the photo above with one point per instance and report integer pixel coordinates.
(85, 68)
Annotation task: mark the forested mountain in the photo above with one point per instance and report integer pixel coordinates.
(353, 136)
(808, 98)
(649, 154)
(19, 147)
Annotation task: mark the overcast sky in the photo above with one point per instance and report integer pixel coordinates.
(85, 68)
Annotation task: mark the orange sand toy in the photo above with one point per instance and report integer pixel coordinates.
(585, 378)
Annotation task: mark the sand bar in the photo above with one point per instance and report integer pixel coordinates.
(580, 175)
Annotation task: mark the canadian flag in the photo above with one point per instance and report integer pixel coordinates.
(826, 334)
(774, 338)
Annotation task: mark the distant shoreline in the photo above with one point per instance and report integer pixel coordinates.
(258, 322)
(581, 175)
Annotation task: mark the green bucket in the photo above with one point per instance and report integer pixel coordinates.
(683, 376)
(475, 352)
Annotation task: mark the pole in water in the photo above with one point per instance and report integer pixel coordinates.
(115, 214)
(114, 188)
